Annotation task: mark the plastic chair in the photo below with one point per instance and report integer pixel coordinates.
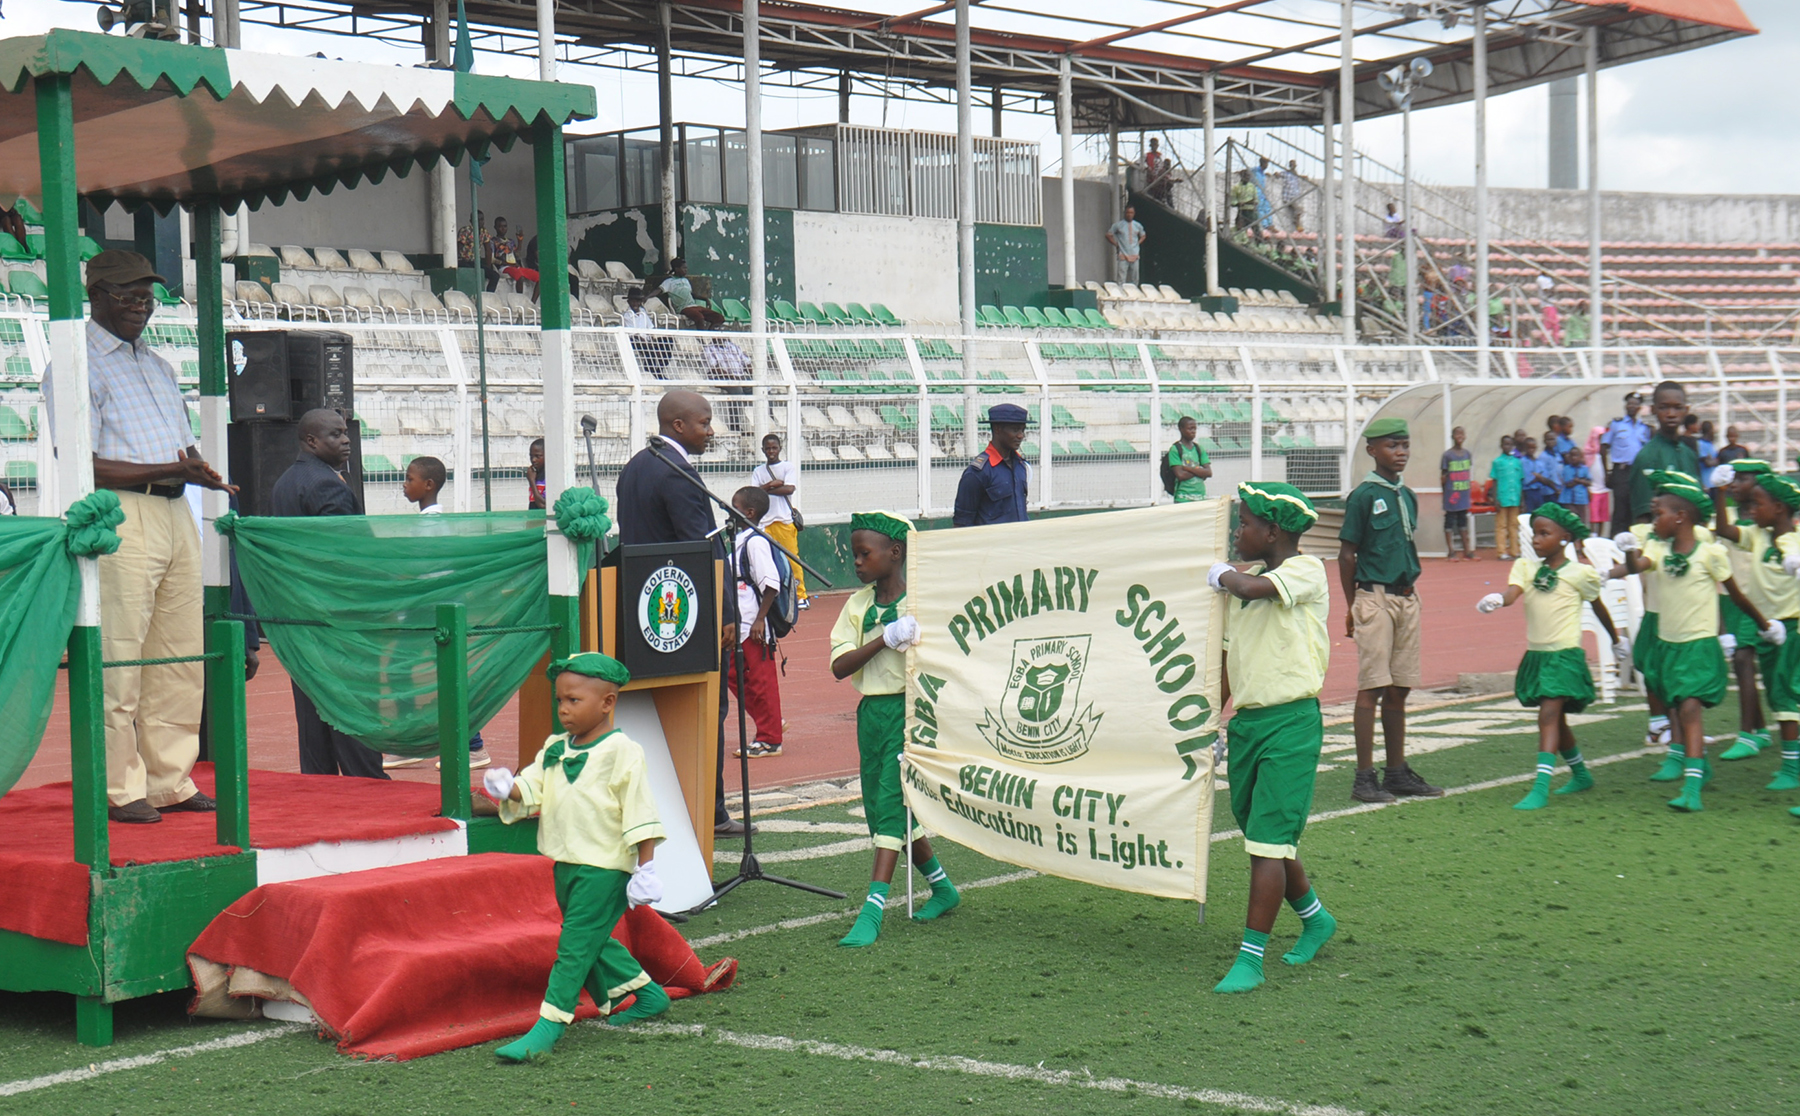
(883, 315)
(459, 303)
(990, 315)
(329, 259)
(295, 257)
(397, 262)
(26, 284)
(11, 249)
(1015, 317)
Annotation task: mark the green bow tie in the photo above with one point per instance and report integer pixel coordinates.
(1772, 555)
(1675, 564)
(1545, 579)
(570, 757)
(882, 614)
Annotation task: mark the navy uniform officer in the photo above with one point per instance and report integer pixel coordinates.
(995, 486)
(1619, 447)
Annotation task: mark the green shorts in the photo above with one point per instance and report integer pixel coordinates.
(1643, 648)
(1693, 669)
(1273, 761)
(1780, 668)
(1555, 674)
(1732, 621)
(880, 736)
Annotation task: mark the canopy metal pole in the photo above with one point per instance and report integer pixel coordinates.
(1484, 327)
(566, 565)
(487, 464)
(1065, 127)
(1211, 192)
(546, 29)
(215, 408)
(1347, 95)
(665, 114)
(997, 108)
(1327, 212)
(1596, 339)
(759, 278)
(843, 95)
(1406, 205)
(1114, 209)
(965, 215)
(443, 178)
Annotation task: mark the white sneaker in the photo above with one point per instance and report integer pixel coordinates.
(388, 763)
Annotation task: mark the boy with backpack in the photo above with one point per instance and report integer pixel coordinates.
(759, 586)
(1186, 467)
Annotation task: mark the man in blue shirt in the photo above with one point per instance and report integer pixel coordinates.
(996, 484)
(1619, 446)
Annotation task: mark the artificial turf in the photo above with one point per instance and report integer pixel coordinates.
(1604, 955)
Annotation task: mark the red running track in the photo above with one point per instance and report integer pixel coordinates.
(821, 712)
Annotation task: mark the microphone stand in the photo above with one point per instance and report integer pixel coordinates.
(749, 868)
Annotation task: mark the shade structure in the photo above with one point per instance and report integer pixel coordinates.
(161, 123)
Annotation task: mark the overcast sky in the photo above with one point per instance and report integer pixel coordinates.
(1708, 121)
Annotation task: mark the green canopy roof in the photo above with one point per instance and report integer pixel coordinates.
(163, 124)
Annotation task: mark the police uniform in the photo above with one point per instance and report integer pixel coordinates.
(994, 488)
(1622, 440)
(1379, 519)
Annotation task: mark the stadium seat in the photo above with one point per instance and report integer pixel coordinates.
(89, 247)
(883, 315)
(1035, 317)
(11, 249)
(1096, 320)
(858, 312)
(391, 299)
(330, 260)
(162, 295)
(458, 303)
(990, 315)
(26, 284)
(597, 303)
(296, 258)
(734, 310)
(358, 298)
(282, 293)
(811, 313)
(1170, 294)
(397, 262)
(252, 292)
(1015, 317)
(426, 303)
(784, 311)
(619, 271)
(590, 271)
(324, 297)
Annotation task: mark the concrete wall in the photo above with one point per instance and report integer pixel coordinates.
(1093, 216)
(1561, 215)
(907, 263)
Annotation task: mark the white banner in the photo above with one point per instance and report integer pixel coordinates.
(1062, 701)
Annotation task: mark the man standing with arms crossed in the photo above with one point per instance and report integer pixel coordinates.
(1378, 565)
(1619, 447)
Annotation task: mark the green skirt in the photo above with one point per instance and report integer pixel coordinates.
(1555, 674)
(1694, 669)
(1780, 668)
(1644, 647)
(1733, 621)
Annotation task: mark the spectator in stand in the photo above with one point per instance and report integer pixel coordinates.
(1543, 476)
(1507, 472)
(1460, 275)
(12, 224)
(1575, 326)
(466, 237)
(1455, 475)
(1552, 319)
(678, 290)
(1701, 434)
(1575, 483)
(534, 477)
(1127, 238)
(1243, 202)
(524, 270)
(1158, 173)
(1731, 450)
(1393, 222)
(781, 480)
(726, 362)
(1265, 206)
(653, 352)
(1188, 460)
(1619, 447)
(1292, 187)
(1562, 431)
(498, 253)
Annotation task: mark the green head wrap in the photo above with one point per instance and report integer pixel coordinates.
(1281, 504)
(1563, 518)
(1669, 482)
(882, 523)
(594, 665)
(1781, 488)
(1386, 428)
(1750, 465)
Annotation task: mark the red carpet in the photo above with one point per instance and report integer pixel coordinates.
(422, 958)
(47, 891)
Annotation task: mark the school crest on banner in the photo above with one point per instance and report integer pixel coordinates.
(1061, 716)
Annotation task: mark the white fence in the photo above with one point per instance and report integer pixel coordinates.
(913, 174)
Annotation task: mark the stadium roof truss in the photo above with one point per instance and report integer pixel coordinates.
(1135, 63)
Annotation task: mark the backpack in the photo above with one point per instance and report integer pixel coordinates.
(1167, 473)
(785, 612)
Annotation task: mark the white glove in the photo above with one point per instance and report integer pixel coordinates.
(1625, 541)
(1622, 647)
(1729, 643)
(1219, 569)
(1490, 603)
(1219, 749)
(645, 886)
(901, 634)
(1791, 564)
(1720, 476)
(1775, 633)
(499, 783)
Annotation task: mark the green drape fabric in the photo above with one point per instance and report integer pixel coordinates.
(40, 590)
(367, 589)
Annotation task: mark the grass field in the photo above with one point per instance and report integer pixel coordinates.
(1605, 955)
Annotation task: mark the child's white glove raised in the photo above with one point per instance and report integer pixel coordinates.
(645, 886)
(1219, 750)
(1729, 643)
(1791, 564)
(1775, 634)
(1625, 541)
(1490, 603)
(1622, 647)
(498, 782)
(1219, 569)
(901, 634)
(1720, 476)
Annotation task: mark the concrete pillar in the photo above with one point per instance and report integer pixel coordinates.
(844, 97)
(1065, 127)
(1327, 226)
(759, 295)
(442, 188)
(1409, 243)
(965, 215)
(997, 107)
(1596, 341)
(1347, 95)
(665, 114)
(1211, 188)
(1484, 328)
(546, 28)
(1565, 147)
(1115, 207)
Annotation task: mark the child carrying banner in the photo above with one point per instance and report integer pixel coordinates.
(868, 645)
(1553, 675)
(1276, 650)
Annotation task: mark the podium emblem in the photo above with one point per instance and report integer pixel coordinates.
(668, 609)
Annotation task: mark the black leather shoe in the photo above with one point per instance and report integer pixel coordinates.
(198, 803)
(139, 812)
(1404, 781)
(731, 827)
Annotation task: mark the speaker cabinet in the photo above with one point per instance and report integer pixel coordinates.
(259, 383)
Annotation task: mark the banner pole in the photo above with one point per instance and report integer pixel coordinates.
(907, 853)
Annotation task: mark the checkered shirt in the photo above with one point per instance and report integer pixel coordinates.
(138, 414)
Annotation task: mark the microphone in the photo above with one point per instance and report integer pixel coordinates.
(588, 425)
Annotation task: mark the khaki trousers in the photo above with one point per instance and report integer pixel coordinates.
(151, 608)
(785, 534)
(1506, 531)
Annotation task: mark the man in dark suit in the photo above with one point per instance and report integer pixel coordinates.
(658, 505)
(313, 485)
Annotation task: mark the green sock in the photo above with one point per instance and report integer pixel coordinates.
(868, 920)
(650, 1000)
(1788, 778)
(1747, 745)
(535, 1043)
(1539, 796)
(1247, 971)
(944, 896)
(1693, 778)
(1579, 777)
(1672, 763)
(1317, 928)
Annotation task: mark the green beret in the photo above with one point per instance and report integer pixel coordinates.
(1750, 465)
(594, 665)
(1387, 428)
(1563, 518)
(882, 523)
(1669, 482)
(1781, 488)
(1281, 504)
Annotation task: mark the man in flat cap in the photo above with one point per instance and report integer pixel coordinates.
(150, 596)
(995, 485)
(1378, 564)
(1619, 447)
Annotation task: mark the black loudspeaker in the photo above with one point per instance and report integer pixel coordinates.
(322, 371)
(259, 382)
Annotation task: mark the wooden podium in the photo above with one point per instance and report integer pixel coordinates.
(686, 704)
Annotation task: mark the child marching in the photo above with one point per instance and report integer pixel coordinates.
(1741, 642)
(868, 645)
(1686, 664)
(1276, 650)
(1553, 676)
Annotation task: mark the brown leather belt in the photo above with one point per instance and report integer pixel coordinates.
(166, 491)
(1396, 589)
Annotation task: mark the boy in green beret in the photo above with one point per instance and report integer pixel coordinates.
(590, 791)
(1276, 650)
(1735, 483)
(1765, 542)
(1687, 666)
(1378, 565)
(868, 646)
(1553, 676)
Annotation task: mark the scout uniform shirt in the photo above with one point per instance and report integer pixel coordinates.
(886, 672)
(1192, 488)
(1659, 453)
(1766, 582)
(1688, 606)
(1553, 618)
(595, 814)
(1276, 649)
(1377, 522)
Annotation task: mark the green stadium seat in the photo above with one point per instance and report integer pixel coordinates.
(89, 248)
(26, 284)
(163, 296)
(12, 330)
(21, 472)
(784, 310)
(990, 315)
(377, 463)
(858, 311)
(1028, 450)
(883, 315)
(13, 428)
(1061, 419)
(1171, 414)
(1055, 316)
(1035, 317)
(29, 213)
(11, 249)
(944, 417)
(900, 418)
(734, 311)
(369, 433)
(1095, 319)
(1086, 381)
(18, 367)
(1015, 317)
(35, 244)
(813, 314)
(194, 423)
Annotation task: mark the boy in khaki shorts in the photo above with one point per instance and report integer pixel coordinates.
(1378, 565)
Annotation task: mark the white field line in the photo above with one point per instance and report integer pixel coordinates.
(811, 852)
(780, 1044)
(116, 1065)
(847, 912)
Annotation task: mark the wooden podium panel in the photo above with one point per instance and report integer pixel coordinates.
(686, 704)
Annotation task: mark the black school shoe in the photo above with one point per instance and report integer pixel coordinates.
(198, 803)
(1367, 788)
(138, 812)
(1405, 782)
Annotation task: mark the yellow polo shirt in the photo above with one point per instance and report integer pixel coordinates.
(1767, 583)
(1553, 619)
(597, 819)
(886, 672)
(1276, 649)
(1688, 605)
(1648, 584)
